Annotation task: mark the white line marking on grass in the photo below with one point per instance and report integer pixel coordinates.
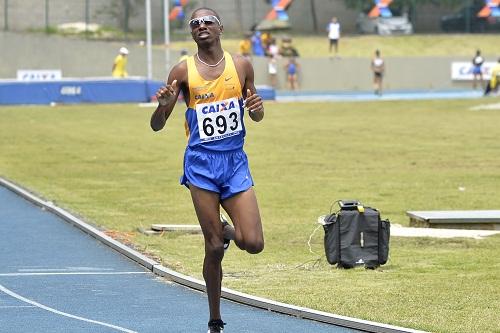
(486, 107)
(71, 273)
(44, 307)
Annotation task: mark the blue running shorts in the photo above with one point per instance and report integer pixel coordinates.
(226, 172)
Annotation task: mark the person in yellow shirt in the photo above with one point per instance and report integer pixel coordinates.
(266, 39)
(245, 46)
(120, 64)
(495, 79)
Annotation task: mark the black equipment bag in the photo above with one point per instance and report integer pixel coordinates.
(355, 235)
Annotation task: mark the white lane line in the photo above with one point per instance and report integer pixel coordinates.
(44, 307)
(72, 273)
(66, 269)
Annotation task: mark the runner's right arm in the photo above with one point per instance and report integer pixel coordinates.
(167, 96)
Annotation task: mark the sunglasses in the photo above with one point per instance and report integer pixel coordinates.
(207, 20)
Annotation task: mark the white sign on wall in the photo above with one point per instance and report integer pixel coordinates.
(461, 70)
(39, 74)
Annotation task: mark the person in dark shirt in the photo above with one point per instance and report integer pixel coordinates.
(287, 49)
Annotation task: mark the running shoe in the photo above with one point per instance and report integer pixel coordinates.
(216, 326)
(224, 222)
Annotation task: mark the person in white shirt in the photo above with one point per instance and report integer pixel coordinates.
(477, 72)
(273, 49)
(272, 68)
(378, 69)
(334, 34)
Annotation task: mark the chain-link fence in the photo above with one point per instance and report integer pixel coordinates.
(101, 18)
(126, 18)
(114, 18)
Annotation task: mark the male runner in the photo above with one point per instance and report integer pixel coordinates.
(217, 87)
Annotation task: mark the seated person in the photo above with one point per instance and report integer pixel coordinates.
(287, 49)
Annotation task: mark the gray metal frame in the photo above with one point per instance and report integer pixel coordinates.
(456, 216)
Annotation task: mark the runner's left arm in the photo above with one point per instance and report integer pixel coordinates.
(253, 101)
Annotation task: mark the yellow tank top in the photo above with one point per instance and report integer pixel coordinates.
(214, 118)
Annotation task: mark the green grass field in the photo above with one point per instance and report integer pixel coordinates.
(104, 163)
(363, 46)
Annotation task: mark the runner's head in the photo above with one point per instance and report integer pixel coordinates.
(205, 25)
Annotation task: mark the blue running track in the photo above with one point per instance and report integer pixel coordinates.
(360, 96)
(55, 278)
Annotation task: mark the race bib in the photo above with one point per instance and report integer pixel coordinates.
(218, 120)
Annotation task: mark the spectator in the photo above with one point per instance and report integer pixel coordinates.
(292, 77)
(120, 64)
(378, 69)
(273, 49)
(477, 63)
(272, 68)
(334, 35)
(257, 47)
(245, 46)
(495, 79)
(287, 49)
(266, 39)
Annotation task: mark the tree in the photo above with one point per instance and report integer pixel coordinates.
(122, 11)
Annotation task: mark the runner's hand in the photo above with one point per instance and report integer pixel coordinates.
(168, 94)
(253, 102)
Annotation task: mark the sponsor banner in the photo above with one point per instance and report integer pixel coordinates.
(463, 71)
(74, 91)
(98, 91)
(39, 74)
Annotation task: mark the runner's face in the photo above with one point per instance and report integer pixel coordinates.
(205, 26)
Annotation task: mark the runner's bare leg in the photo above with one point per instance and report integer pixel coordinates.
(206, 204)
(244, 212)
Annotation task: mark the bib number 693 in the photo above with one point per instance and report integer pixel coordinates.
(220, 123)
(219, 120)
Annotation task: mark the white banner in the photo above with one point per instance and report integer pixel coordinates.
(461, 70)
(39, 74)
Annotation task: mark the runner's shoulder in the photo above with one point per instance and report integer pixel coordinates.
(180, 71)
(240, 60)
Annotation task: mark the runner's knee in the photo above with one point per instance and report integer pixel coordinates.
(214, 248)
(254, 246)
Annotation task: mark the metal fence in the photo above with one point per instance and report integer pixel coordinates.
(51, 15)
(125, 16)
